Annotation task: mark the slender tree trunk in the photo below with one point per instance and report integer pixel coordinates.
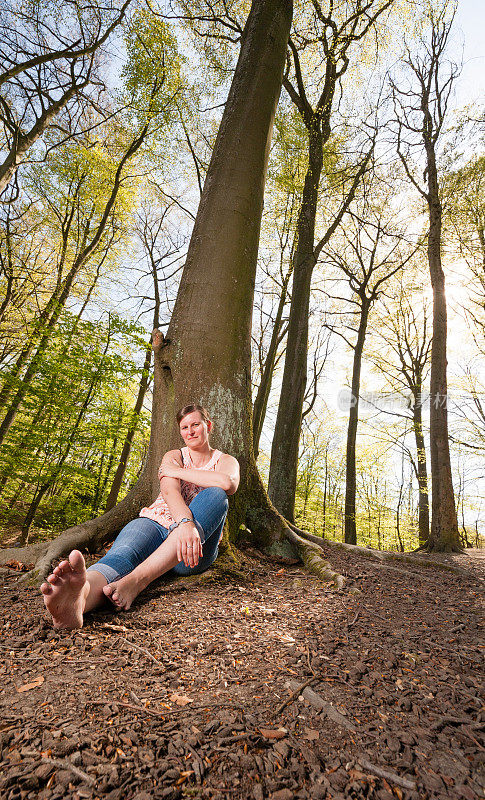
(324, 507)
(422, 470)
(398, 519)
(284, 450)
(58, 302)
(34, 364)
(444, 534)
(126, 450)
(22, 142)
(350, 470)
(264, 388)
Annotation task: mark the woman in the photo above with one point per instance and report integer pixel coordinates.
(181, 530)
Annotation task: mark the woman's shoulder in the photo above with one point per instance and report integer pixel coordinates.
(172, 455)
(226, 459)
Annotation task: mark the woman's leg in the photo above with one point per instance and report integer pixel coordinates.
(71, 591)
(209, 509)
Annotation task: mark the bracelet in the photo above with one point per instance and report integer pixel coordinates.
(180, 522)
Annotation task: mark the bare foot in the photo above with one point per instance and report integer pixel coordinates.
(123, 591)
(65, 592)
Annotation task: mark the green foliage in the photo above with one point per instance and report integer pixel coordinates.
(152, 71)
(73, 422)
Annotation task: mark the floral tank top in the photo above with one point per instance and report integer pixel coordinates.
(159, 510)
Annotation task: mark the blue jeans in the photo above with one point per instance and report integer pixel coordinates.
(142, 536)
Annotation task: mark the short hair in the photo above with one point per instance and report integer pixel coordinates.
(189, 409)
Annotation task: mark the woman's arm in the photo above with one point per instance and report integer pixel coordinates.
(186, 534)
(170, 486)
(226, 474)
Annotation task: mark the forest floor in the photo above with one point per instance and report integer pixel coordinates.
(197, 691)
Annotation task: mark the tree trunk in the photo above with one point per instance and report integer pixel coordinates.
(22, 142)
(262, 395)
(350, 470)
(286, 439)
(70, 441)
(126, 450)
(422, 471)
(444, 534)
(206, 355)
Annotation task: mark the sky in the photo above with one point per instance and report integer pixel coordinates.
(470, 34)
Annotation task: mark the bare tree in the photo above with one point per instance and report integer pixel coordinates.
(49, 66)
(421, 97)
(25, 368)
(158, 246)
(405, 363)
(369, 254)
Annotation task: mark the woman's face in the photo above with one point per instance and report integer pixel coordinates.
(194, 430)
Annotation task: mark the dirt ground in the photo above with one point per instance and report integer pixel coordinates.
(199, 690)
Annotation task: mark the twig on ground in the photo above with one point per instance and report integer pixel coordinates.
(385, 773)
(131, 706)
(163, 714)
(356, 617)
(468, 733)
(141, 650)
(294, 694)
(328, 709)
(308, 661)
(65, 764)
(450, 720)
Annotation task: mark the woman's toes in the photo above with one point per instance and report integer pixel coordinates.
(108, 590)
(46, 588)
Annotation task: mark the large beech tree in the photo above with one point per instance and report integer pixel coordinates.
(205, 356)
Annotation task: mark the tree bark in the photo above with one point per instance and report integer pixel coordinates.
(444, 535)
(264, 388)
(422, 471)
(286, 439)
(350, 470)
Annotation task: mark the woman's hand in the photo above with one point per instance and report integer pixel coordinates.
(189, 546)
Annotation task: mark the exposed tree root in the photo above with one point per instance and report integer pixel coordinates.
(88, 536)
(312, 559)
(270, 528)
(383, 556)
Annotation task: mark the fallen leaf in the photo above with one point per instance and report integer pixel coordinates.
(311, 735)
(356, 775)
(18, 565)
(180, 699)
(183, 777)
(273, 733)
(400, 684)
(111, 627)
(27, 686)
